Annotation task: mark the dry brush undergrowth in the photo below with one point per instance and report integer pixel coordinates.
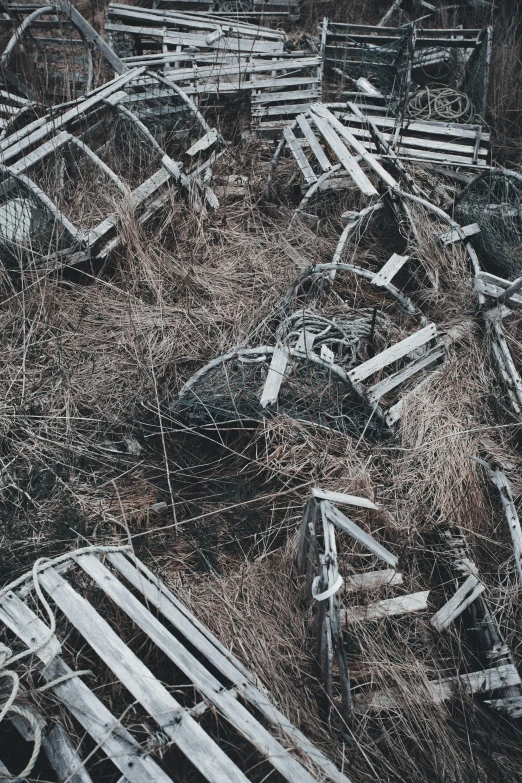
(91, 361)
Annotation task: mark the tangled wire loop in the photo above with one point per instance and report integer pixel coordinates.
(441, 103)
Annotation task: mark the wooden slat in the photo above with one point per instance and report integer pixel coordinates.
(374, 393)
(372, 580)
(290, 95)
(275, 377)
(63, 756)
(115, 741)
(344, 157)
(206, 683)
(358, 534)
(392, 354)
(431, 127)
(356, 145)
(299, 155)
(456, 236)
(458, 602)
(386, 274)
(391, 607)
(45, 149)
(222, 659)
(183, 730)
(204, 143)
(313, 143)
(342, 497)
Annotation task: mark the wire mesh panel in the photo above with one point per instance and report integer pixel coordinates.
(46, 58)
(493, 200)
(28, 227)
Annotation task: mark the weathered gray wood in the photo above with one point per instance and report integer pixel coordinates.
(222, 659)
(359, 148)
(115, 741)
(204, 143)
(459, 601)
(381, 388)
(511, 514)
(183, 730)
(342, 497)
(203, 681)
(63, 756)
(343, 155)
(392, 354)
(275, 376)
(386, 274)
(456, 236)
(91, 35)
(372, 580)
(313, 143)
(357, 533)
(299, 155)
(390, 607)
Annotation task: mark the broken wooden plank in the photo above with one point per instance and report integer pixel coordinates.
(358, 534)
(313, 143)
(299, 155)
(372, 580)
(383, 387)
(502, 676)
(343, 155)
(274, 379)
(390, 607)
(222, 659)
(386, 274)
(204, 143)
(183, 730)
(114, 740)
(64, 757)
(458, 235)
(392, 354)
(461, 599)
(203, 680)
(342, 497)
(510, 511)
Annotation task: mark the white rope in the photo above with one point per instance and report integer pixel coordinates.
(33, 722)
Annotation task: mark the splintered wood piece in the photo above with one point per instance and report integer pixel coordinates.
(512, 705)
(202, 679)
(106, 731)
(377, 391)
(386, 274)
(463, 597)
(459, 235)
(343, 155)
(204, 143)
(185, 732)
(360, 535)
(510, 511)
(355, 144)
(314, 144)
(390, 607)
(438, 691)
(64, 757)
(341, 497)
(275, 377)
(372, 580)
(392, 354)
(299, 155)
(503, 676)
(222, 659)
(491, 285)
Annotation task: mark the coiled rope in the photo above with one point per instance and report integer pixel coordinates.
(441, 103)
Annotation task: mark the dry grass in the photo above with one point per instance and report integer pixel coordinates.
(91, 362)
